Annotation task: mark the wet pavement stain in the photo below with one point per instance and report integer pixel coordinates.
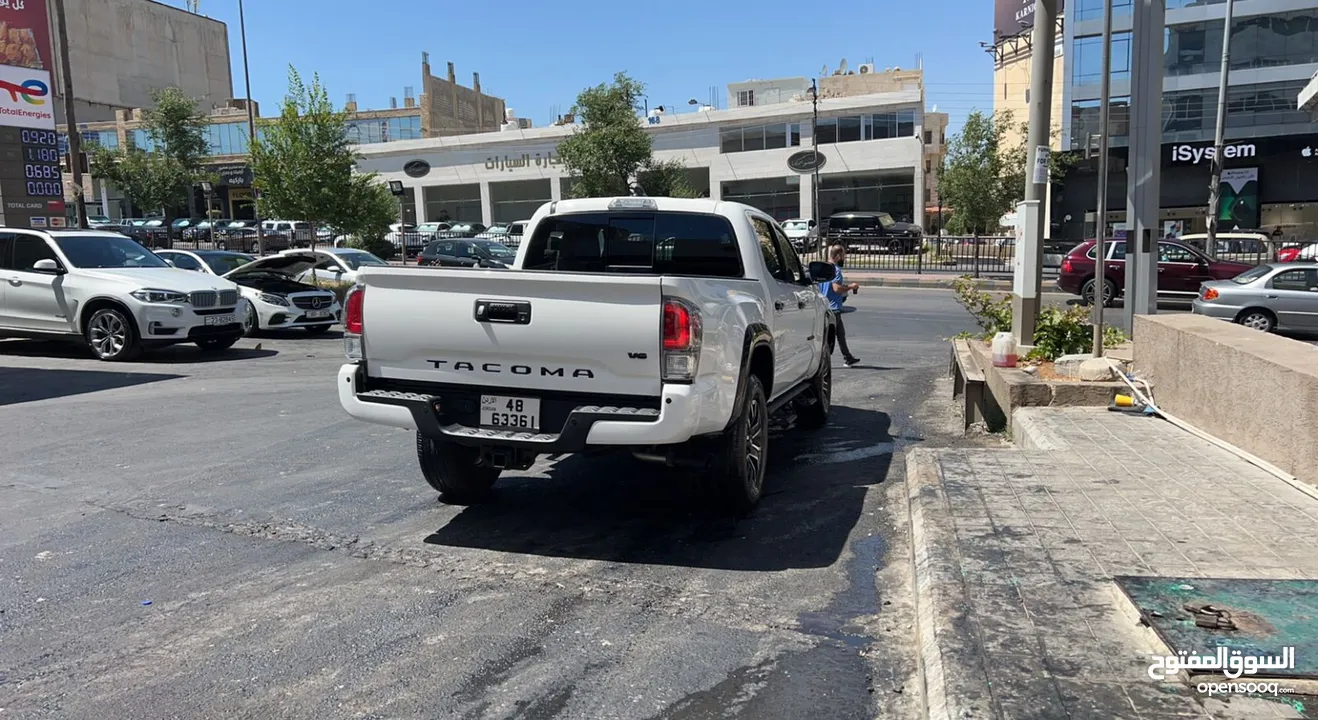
(830, 680)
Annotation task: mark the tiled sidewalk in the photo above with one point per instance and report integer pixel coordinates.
(1016, 548)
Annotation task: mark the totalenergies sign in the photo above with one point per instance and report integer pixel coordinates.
(25, 98)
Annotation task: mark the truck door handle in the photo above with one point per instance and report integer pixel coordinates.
(503, 311)
(1271, 297)
(778, 305)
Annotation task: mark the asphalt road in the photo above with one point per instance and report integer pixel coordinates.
(192, 537)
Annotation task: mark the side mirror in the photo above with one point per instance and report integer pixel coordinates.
(170, 263)
(46, 265)
(822, 271)
(812, 223)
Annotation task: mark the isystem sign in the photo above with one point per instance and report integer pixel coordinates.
(1189, 154)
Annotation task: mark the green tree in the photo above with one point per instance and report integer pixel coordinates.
(982, 177)
(666, 178)
(611, 149)
(369, 208)
(302, 163)
(160, 178)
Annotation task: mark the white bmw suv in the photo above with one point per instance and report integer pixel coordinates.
(111, 292)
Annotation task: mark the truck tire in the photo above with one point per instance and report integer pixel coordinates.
(454, 470)
(742, 452)
(815, 415)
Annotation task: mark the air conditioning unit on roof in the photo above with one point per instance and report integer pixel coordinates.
(865, 68)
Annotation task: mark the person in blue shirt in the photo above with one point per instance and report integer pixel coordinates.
(835, 292)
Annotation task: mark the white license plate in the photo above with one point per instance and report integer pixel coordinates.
(513, 413)
(218, 320)
(313, 314)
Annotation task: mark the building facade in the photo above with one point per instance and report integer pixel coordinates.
(1271, 183)
(872, 145)
(122, 50)
(445, 109)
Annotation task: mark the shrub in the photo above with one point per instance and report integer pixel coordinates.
(378, 247)
(1059, 331)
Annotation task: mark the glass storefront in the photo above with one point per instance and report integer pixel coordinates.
(891, 191)
(518, 199)
(454, 203)
(774, 196)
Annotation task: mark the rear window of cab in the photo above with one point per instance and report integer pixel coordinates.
(660, 243)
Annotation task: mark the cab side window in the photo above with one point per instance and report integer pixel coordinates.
(28, 249)
(789, 256)
(1301, 280)
(6, 251)
(769, 249)
(184, 262)
(1168, 252)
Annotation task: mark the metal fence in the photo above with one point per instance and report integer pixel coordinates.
(961, 255)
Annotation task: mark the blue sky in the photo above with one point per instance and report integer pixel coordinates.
(537, 55)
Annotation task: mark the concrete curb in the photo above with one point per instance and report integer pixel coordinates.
(927, 282)
(956, 688)
(1030, 434)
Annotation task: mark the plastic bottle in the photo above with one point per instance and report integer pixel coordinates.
(1004, 350)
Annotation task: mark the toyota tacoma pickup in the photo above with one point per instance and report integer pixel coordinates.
(672, 328)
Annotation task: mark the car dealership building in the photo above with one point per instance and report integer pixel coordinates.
(872, 147)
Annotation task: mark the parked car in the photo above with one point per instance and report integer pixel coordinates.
(214, 262)
(277, 300)
(249, 239)
(111, 293)
(465, 229)
(1181, 269)
(802, 234)
(1239, 246)
(298, 232)
(336, 264)
(1293, 253)
(872, 231)
(150, 232)
(1268, 297)
(432, 228)
(458, 252)
(660, 325)
(407, 240)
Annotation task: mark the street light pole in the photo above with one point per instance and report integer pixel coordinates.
(70, 120)
(1100, 247)
(251, 128)
(1214, 185)
(814, 148)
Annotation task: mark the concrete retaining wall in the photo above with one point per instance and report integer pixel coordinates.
(1258, 392)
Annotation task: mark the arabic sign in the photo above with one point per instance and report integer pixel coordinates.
(416, 168)
(525, 160)
(1231, 663)
(237, 175)
(1015, 17)
(806, 161)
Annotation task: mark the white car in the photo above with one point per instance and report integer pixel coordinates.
(276, 299)
(112, 293)
(213, 262)
(800, 232)
(337, 264)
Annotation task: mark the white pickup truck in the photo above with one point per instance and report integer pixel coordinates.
(672, 328)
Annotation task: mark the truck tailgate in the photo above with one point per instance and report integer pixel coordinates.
(515, 329)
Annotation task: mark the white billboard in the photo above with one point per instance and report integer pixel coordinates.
(26, 99)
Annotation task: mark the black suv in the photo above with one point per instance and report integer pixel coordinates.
(872, 232)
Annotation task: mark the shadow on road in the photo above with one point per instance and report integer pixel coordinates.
(20, 385)
(173, 354)
(618, 509)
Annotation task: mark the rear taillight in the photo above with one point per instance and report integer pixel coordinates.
(681, 341)
(1066, 265)
(1210, 294)
(353, 325)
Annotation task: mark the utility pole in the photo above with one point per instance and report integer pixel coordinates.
(1215, 184)
(1100, 247)
(1025, 296)
(814, 147)
(251, 129)
(70, 119)
(1144, 170)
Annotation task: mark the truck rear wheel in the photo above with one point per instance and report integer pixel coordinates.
(454, 470)
(737, 476)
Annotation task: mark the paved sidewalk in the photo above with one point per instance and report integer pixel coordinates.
(884, 278)
(1015, 550)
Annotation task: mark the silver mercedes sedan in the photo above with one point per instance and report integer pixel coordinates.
(1268, 297)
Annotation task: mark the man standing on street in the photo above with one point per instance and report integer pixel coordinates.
(835, 292)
